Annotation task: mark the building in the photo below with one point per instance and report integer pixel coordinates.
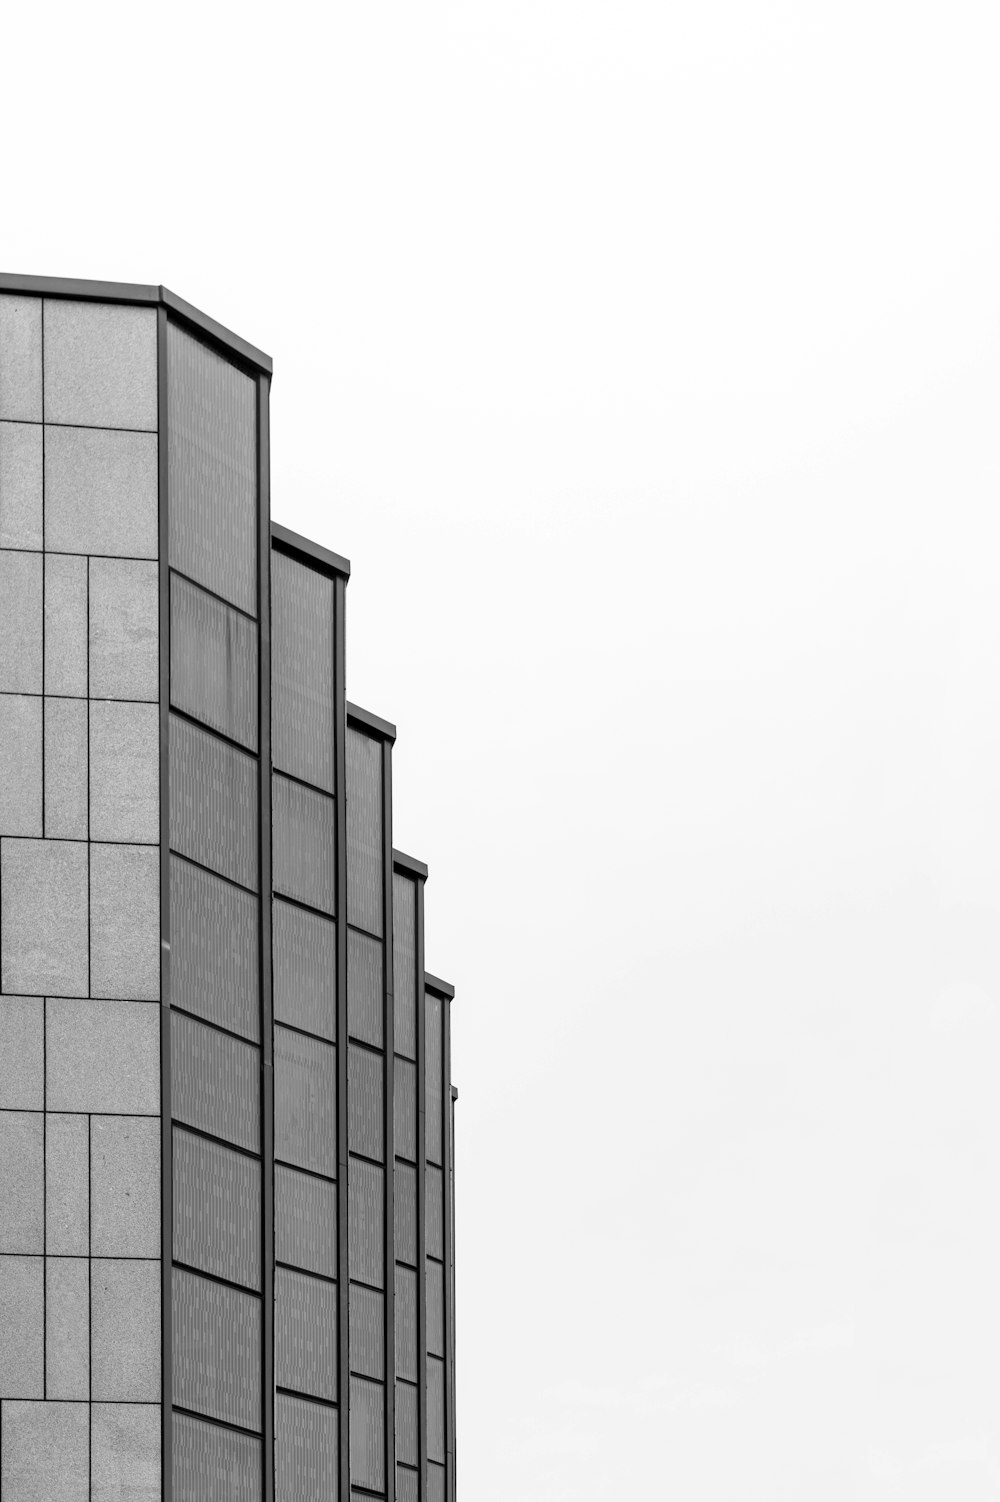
(226, 1118)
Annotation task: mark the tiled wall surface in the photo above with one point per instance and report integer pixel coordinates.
(79, 904)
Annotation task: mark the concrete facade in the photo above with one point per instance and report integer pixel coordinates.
(79, 904)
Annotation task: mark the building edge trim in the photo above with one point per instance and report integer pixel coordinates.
(166, 1124)
(308, 551)
(438, 987)
(408, 863)
(81, 289)
(373, 722)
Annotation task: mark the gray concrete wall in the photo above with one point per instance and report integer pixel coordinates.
(79, 904)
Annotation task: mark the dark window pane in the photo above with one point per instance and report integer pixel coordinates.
(404, 964)
(213, 803)
(367, 1338)
(433, 1040)
(302, 671)
(305, 1334)
(433, 1074)
(305, 1451)
(367, 1433)
(365, 1102)
(407, 1485)
(216, 1209)
(435, 1307)
(365, 1224)
(434, 1212)
(365, 1000)
(305, 970)
(214, 1082)
(217, 1350)
(213, 1464)
(212, 457)
(405, 1200)
(406, 1423)
(305, 1102)
(435, 1409)
(404, 1108)
(364, 831)
(213, 662)
(303, 851)
(213, 949)
(406, 1323)
(433, 1126)
(435, 1482)
(305, 1222)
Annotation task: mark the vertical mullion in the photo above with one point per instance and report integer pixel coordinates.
(421, 1011)
(264, 885)
(166, 1140)
(446, 1208)
(389, 1149)
(340, 905)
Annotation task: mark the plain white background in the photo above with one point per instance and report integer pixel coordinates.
(645, 360)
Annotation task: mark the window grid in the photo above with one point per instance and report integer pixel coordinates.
(223, 717)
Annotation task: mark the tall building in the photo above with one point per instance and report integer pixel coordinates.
(226, 1116)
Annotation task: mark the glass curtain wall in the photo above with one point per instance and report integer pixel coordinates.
(304, 865)
(369, 1104)
(435, 1007)
(216, 1290)
(408, 1152)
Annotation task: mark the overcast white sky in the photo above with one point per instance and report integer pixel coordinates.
(645, 361)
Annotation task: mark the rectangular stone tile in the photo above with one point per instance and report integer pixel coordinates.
(45, 1451)
(124, 771)
(21, 1315)
(22, 1080)
(20, 485)
(125, 1331)
(102, 1056)
(125, 1452)
(43, 918)
(125, 1178)
(125, 921)
(67, 1327)
(65, 624)
(21, 358)
(66, 769)
(67, 1185)
(101, 492)
(100, 364)
(20, 764)
(21, 1182)
(20, 623)
(124, 629)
